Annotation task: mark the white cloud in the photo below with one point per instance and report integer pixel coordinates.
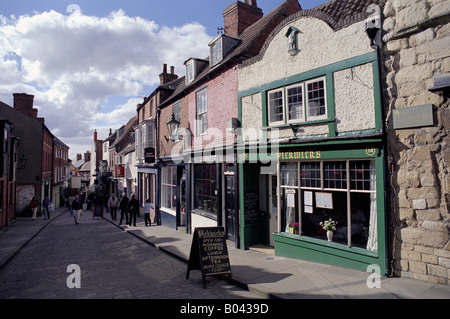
(72, 63)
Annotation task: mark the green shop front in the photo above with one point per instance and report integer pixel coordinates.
(311, 185)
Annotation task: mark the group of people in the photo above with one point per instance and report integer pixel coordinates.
(47, 207)
(129, 208)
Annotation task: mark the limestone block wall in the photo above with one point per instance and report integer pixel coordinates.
(416, 49)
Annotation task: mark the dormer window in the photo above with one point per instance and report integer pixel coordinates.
(220, 47)
(216, 51)
(193, 68)
(190, 71)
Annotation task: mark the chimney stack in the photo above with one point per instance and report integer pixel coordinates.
(24, 103)
(95, 136)
(239, 16)
(87, 156)
(165, 77)
(79, 157)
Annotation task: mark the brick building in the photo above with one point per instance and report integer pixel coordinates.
(198, 174)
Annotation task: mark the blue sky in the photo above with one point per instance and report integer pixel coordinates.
(89, 62)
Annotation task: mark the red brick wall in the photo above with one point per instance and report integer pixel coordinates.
(222, 105)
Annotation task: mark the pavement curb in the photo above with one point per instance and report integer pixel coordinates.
(235, 282)
(16, 251)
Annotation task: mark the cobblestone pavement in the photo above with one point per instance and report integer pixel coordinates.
(113, 264)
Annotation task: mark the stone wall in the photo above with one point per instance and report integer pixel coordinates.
(416, 49)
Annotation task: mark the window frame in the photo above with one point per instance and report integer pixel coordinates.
(201, 118)
(190, 71)
(349, 164)
(307, 109)
(269, 107)
(305, 105)
(168, 177)
(216, 52)
(209, 180)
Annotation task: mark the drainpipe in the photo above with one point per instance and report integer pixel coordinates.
(373, 30)
(157, 160)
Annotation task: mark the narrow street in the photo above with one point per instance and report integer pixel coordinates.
(112, 263)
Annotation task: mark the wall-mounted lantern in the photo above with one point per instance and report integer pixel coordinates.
(173, 127)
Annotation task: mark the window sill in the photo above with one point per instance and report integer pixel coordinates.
(324, 243)
(204, 214)
(298, 124)
(169, 211)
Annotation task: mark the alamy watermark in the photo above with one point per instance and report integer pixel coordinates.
(374, 279)
(74, 279)
(249, 145)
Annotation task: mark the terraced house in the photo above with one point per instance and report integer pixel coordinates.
(302, 118)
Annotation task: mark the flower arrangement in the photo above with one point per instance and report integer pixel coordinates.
(293, 229)
(328, 225)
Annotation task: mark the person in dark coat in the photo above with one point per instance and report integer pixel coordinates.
(123, 206)
(76, 208)
(133, 209)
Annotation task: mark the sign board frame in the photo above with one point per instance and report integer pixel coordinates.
(98, 211)
(209, 253)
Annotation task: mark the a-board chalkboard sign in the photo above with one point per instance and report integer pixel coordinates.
(251, 208)
(98, 211)
(209, 253)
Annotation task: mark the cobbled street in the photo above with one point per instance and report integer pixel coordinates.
(113, 265)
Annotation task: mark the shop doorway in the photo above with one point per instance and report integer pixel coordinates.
(230, 205)
(273, 207)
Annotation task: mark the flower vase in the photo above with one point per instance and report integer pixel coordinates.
(330, 235)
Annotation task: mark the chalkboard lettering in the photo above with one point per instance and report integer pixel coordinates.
(209, 252)
(251, 208)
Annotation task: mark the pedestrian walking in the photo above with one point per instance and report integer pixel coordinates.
(113, 204)
(69, 202)
(147, 207)
(133, 209)
(34, 206)
(123, 206)
(45, 207)
(76, 206)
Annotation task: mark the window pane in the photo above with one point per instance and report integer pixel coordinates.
(176, 110)
(276, 106)
(168, 189)
(216, 52)
(202, 109)
(289, 174)
(362, 175)
(190, 72)
(205, 188)
(335, 175)
(316, 98)
(310, 174)
(295, 102)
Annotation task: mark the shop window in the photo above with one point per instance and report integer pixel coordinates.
(169, 187)
(335, 175)
(362, 175)
(310, 174)
(289, 174)
(344, 191)
(205, 188)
